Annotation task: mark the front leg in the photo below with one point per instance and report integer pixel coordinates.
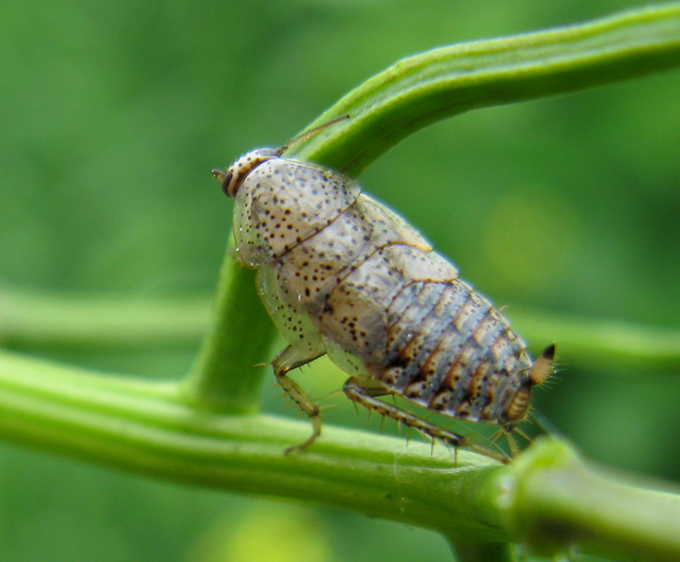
(288, 359)
(367, 397)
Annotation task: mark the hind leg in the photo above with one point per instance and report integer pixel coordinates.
(367, 397)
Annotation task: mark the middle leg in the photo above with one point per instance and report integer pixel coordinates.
(288, 359)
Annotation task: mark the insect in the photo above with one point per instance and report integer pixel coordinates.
(341, 274)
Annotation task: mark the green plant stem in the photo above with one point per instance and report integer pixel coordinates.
(602, 512)
(228, 373)
(548, 498)
(35, 319)
(481, 552)
(420, 90)
(40, 318)
(148, 428)
(612, 345)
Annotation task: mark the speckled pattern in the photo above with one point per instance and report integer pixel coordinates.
(279, 206)
(342, 274)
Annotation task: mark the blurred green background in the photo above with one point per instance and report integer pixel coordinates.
(113, 114)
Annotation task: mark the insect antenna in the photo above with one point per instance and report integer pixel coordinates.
(304, 135)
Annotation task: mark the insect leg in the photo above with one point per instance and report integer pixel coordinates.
(288, 359)
(367, 397)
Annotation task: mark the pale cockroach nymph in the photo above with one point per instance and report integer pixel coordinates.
(341, 274)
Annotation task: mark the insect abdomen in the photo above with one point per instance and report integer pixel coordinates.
(450, 351)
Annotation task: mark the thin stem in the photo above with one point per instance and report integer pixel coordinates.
(482, 552)
(420, 90)
(548, 498)
(231, 364)
(39, 319)
(32, 318)
(614, 345)
(147, 428)
(603, 513)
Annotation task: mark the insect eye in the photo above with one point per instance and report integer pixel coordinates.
(227, 182)
(225, 178)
